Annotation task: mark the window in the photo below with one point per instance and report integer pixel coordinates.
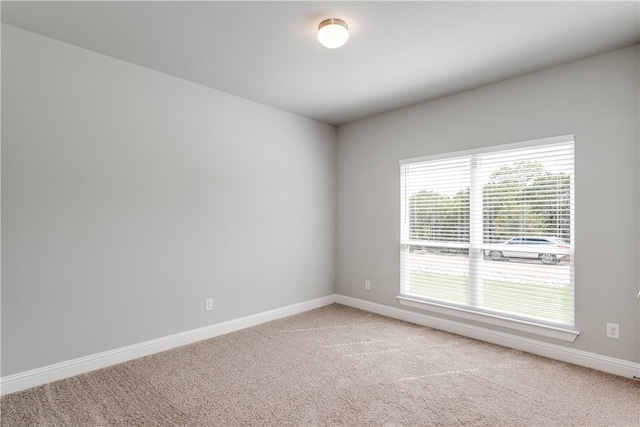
(491, 232)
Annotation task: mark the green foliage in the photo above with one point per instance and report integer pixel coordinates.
(435, 217)
(518, 200)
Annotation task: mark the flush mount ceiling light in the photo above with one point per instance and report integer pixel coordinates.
(333, 33)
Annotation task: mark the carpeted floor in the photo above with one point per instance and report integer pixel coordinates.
(335, 366)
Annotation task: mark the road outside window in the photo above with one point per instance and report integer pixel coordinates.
(492, 230)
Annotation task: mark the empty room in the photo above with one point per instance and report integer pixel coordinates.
(317, 213)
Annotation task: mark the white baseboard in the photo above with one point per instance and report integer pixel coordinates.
(58, 371)
(577, 357)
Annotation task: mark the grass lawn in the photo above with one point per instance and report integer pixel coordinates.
(539, 301)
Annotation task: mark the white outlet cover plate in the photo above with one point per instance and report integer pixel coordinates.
(613, 330)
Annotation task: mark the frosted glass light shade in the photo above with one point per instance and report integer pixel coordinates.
(333, 33)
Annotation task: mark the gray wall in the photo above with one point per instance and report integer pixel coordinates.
(130, 196)
(596, 99)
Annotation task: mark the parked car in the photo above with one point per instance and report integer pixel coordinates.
(533, 247)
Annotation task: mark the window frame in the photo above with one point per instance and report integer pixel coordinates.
(469, 311)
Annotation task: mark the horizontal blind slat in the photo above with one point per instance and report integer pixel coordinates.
(496, 196)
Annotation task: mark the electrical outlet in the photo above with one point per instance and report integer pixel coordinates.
(613, 330)
(208, 304)
(367, 285)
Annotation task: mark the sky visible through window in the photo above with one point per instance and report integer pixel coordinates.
(438, 174)
(459, 210)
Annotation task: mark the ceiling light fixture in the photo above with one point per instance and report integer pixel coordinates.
(333, 33)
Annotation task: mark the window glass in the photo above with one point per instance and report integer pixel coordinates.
(492, 230)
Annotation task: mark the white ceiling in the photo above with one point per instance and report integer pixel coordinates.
(399, 53)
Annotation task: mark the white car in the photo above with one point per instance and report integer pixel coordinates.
(549, 250)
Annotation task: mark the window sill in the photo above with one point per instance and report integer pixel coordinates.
(562, 334)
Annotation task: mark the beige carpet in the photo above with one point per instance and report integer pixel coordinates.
(334, 366)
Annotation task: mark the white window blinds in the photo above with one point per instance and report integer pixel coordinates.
(492, 230)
